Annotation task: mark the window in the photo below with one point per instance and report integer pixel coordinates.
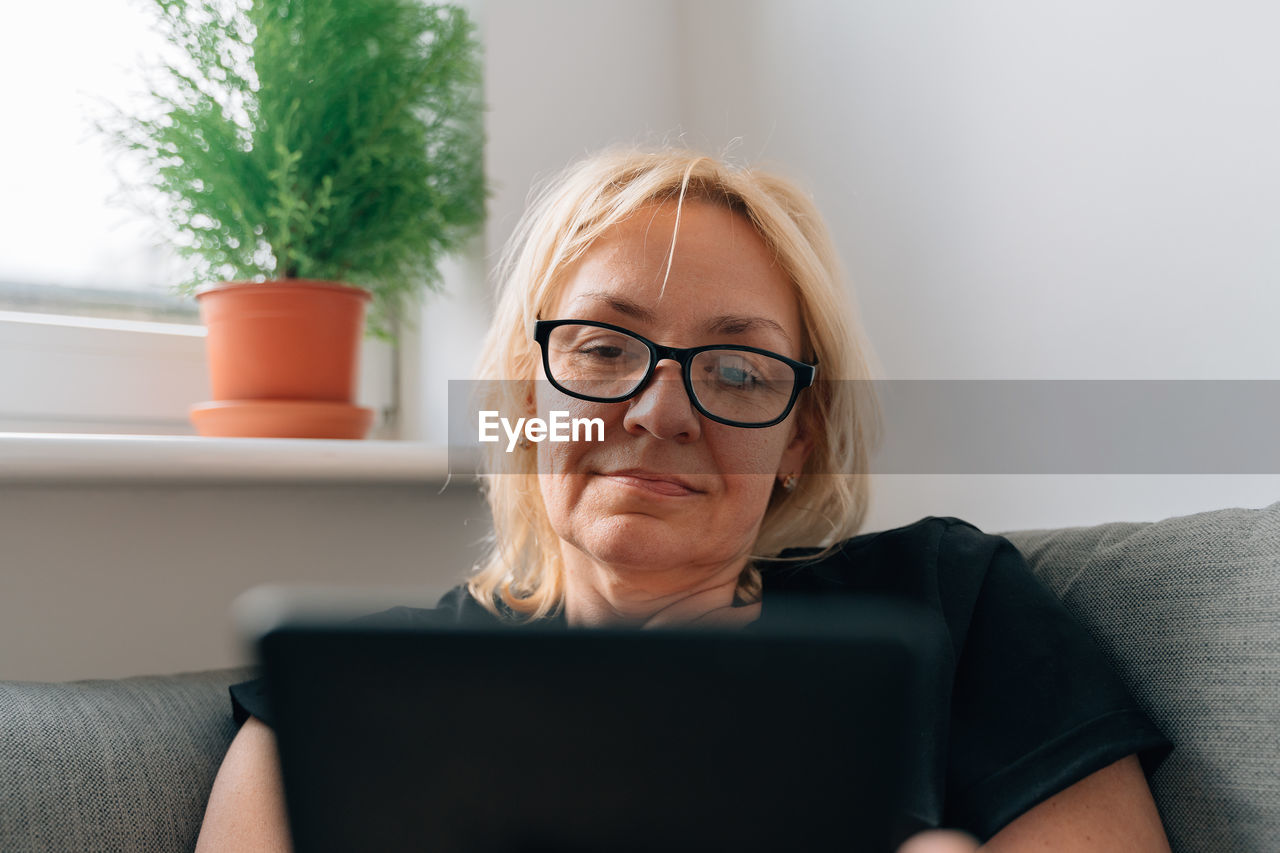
(92, 339)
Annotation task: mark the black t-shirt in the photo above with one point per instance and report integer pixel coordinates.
(1026, 705)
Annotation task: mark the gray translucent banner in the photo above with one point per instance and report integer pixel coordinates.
(977, 426)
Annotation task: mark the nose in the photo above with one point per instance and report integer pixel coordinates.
(662, 408)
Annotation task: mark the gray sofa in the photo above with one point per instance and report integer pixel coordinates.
(1188, 610)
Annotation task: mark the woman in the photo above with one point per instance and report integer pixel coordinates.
(685, 304)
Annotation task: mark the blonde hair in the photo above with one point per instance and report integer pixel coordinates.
(523, 571)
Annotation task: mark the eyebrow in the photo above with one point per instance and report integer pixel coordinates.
(729, 324)
(725, 324)
(621, 304)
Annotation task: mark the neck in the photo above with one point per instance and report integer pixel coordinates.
(597, 595)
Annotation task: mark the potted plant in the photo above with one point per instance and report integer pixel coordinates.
(314, 158)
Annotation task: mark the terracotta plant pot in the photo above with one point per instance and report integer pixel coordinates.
(283, 360)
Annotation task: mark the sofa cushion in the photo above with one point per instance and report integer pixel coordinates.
(111, 765)
(1188, 610)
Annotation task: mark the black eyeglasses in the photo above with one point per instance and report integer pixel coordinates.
(734, 385)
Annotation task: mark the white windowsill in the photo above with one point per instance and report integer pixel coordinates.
(54, 458)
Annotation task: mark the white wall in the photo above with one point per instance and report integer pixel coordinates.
(105, 580)
(1030, 190)
(566, 77)
(1049, 190)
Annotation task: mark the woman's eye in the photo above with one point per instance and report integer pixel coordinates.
(736, 376)
(604, 351)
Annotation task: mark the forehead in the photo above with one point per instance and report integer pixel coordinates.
(720, 267)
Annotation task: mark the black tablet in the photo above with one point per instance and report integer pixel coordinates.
(788, 735)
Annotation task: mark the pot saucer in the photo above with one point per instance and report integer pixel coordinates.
(281, 419)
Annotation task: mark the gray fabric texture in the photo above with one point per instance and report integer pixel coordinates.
(1188, 610)
(108, 765)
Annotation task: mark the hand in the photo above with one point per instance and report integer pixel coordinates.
(939, 841)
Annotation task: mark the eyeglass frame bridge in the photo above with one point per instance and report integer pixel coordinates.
(804, 372)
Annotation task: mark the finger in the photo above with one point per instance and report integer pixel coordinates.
(939, 841)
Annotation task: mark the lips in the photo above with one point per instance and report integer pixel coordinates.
(662, 484)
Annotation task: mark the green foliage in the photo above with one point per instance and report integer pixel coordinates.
(322, 139)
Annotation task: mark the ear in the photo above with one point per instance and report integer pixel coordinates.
(797, 451)
(531, 386)
(530, 403)
(529, 396)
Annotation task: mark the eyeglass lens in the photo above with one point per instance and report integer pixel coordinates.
(745, 387)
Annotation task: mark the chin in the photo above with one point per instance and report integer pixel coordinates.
(635, 540)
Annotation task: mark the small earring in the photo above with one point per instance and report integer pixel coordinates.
(790, 481)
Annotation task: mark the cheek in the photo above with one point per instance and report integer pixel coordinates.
(548, 400)
(557, 498)
(754, 452)
(561, 463)
(748, 461)
(559, 457)
(747, 497)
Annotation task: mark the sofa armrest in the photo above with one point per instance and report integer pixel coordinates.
(1188, 611)
(122, 764)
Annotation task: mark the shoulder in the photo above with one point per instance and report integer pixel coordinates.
(461, 607)
(936, 549)
(943, 564)
(930, 532)
(455, 607)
